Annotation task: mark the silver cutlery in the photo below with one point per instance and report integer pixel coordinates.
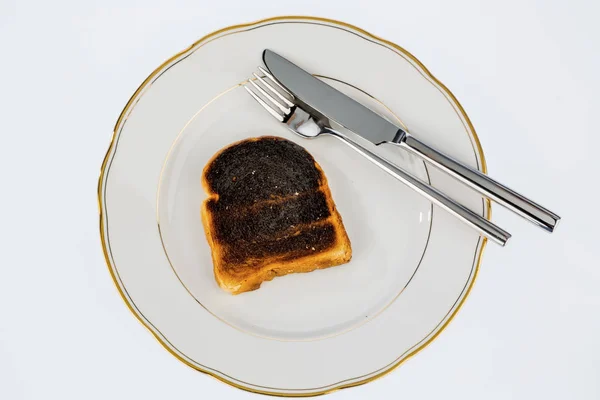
(328, 104)
(283, 105)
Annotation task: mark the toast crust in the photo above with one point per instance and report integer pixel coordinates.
(239, 277)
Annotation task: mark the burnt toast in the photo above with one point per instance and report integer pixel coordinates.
(269, 212)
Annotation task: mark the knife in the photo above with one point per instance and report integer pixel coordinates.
(328, 103)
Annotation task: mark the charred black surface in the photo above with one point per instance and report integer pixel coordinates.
(311, 240)
(269, 219)
(257, 170)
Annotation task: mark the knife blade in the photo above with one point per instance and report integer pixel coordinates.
(329, 104)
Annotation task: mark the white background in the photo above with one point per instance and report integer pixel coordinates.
(525, 71)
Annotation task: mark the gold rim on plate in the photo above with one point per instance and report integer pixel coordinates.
(132, 101)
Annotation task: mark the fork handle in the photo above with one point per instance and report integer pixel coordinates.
(483, 184)
(475, 221)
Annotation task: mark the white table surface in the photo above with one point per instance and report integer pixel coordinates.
(525, 71)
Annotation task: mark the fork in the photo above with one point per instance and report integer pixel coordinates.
(281, 104)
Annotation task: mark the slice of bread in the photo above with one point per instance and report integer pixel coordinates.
(269, 212)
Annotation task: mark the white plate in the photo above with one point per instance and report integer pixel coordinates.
(303, 334)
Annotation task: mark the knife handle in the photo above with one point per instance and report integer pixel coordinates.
(483, 184)
(475, 221)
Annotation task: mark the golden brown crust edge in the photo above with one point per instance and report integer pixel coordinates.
(251, 279)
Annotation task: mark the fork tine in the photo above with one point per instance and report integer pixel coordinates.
(267, 73)
(284, 109)
(267, 107)
(273, 90)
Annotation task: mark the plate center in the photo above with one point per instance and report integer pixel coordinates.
(388, 225)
